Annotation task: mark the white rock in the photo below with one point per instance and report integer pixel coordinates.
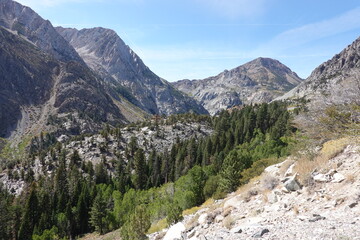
(219, 218)
(174, 231)
(236, 230)
(203, 218)
(290, 171)
(320, 178)
(303, 218)
(232, 202)
(273, 198)
(338, 177)
(331, 172)
(272, 170)
(193, 238)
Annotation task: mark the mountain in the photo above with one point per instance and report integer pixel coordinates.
(37, 89)
(106, 53)
(260, 80)
(23, 21)
(336, 81)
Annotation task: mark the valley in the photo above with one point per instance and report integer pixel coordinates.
(95, 145)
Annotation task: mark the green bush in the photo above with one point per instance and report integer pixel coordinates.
(211, 186)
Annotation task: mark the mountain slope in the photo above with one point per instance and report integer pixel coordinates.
(260, 80)
(336, 81)
(106, 53)
(326, 206)
(36, 87)
(26, 23)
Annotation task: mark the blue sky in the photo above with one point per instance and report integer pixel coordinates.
(195, 39)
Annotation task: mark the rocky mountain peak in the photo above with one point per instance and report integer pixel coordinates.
(259, 80)
(28, 24)
(344, 61)
(106, 53)
(335, 81)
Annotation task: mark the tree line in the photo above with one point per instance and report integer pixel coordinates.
(139, 188)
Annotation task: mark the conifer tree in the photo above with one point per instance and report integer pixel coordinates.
(31, 215)
(140, 178)
(137, 225)
(98, 213)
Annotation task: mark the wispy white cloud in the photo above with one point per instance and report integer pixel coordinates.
(236, 8)
(296, 37)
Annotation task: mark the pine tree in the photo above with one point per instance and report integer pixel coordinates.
(31, 215)
(137, 225)
(98, 213)
(5, 214)
(140, 178)
(234, 163)
(75, 159)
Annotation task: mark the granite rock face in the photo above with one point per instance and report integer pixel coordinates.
(336, 81)
(35, 86)
(107, 54)
(260, 80)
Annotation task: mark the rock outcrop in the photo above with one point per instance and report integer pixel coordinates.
(106, 53)
(37, 86)
(336, 81)
(260, 80)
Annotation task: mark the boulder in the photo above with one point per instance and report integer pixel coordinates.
(316, 217)
(260, 233)
(320, 178)
(203, 219)
(290, 170)
(175, 231)
(232, 202)
(292, 184)
(219, 218)
(337, 178)
(236, 230)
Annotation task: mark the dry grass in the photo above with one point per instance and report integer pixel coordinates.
(246, 187)
(333, 147)
(285, 166)
(193, 210)
(269, 182)
(265, 194)
(158, 226)
(350, 178)
(306, 165)
(228, 222)
(295, 210)
(193, 222)
(227, 211)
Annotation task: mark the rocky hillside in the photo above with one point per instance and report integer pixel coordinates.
(45, 81)
(109, 145)
(260, 80)
(336, 81)
(106, 53)
(38, 90)
(295, 199)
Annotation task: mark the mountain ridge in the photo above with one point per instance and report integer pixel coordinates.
(105, 52)
(29, 25)
(336, 81)
(259, 80)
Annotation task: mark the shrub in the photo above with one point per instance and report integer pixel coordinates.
(211, 186)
